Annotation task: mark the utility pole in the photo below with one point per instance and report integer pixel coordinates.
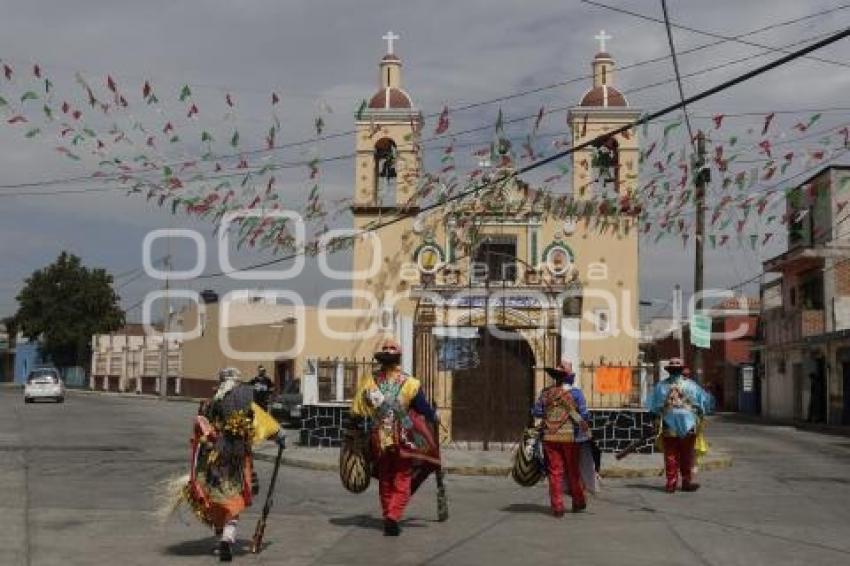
(166, 319)
(677, 314)
(701, 178)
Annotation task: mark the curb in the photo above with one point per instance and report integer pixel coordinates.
(129, 395)
(719, 462)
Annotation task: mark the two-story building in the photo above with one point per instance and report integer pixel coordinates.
(805, 334)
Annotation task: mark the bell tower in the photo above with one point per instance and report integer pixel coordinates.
(611, 167)
(388, 154)
(607, 261)
(387, 169)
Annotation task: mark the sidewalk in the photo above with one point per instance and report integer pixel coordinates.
(822, 428)
(488, 463)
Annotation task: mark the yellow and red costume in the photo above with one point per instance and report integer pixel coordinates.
(402, 442)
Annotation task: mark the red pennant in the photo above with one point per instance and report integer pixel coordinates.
(36, 70)
(442, 122)
(275, 98)
(7, 70)
(65, 107)
(110, 84)
(228, 100)
(146, 89)
(767, 120)
(765, 147)
(769, 174)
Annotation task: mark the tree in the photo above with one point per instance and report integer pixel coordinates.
(64, 304)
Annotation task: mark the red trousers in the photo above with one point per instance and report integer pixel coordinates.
(678, 458)
(563, 457)
(394, 474)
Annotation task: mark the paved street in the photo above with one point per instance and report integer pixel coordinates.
(77, 484)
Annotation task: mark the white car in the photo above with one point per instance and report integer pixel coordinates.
(44, 384)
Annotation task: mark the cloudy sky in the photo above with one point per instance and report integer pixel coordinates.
(321, 56)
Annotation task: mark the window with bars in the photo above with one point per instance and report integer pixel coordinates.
(326, 378)
(352, 372)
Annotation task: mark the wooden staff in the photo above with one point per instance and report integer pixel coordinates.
(260, 531)
(442, 497)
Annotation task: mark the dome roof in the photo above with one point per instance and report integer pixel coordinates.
(391, 57)
(390, 97)
(604, 96)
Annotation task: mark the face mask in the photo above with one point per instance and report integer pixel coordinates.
(387, 358)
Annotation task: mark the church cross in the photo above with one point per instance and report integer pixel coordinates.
(390, 37)
(602, 37)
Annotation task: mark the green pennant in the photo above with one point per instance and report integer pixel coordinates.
(753, 239)
(234, 140)
(668, 129)
(33, 132)
(3, 102)
(360, 110)
(185, 93)
(28, 95)
(47, 112)
(713, 239)
(206, 137)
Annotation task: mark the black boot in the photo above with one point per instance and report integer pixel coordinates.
(391, 528)
(225, 553)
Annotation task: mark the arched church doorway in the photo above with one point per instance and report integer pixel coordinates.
(492, 402)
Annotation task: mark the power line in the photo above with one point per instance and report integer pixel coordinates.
(345, 156)
(676, 70)
(591, 142)
(723, 38)
(490, 101)
(243, 172)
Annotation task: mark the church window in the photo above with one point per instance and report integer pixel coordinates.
(499, 254)
(604, 68)
(601, 319)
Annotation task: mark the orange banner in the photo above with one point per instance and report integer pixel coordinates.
(612, 380)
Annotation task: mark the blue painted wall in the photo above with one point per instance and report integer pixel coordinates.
(27, 356)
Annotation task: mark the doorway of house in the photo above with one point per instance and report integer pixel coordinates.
(284, 372)
(492, 402)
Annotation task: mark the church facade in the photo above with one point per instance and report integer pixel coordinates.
(486, 296)
(483, 292)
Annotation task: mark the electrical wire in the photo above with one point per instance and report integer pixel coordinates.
(490, 101)
(242, 172)
(591, 142)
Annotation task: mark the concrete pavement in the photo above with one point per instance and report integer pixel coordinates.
(78, 484)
